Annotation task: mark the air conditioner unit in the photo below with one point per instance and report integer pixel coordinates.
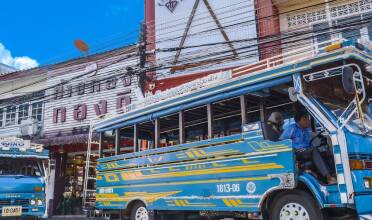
(29, 127)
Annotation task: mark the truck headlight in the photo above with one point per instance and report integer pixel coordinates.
(39, 202)
(368, 182)
(32, 202)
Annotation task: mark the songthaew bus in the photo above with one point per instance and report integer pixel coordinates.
(23, 168)
(205, 148)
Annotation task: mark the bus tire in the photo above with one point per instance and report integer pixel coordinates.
(139, 212)
(295, 204)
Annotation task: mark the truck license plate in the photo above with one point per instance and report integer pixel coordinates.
(12, 211)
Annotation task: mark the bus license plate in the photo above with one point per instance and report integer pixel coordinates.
(12, 211)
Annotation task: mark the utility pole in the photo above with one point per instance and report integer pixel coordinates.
(142, 57)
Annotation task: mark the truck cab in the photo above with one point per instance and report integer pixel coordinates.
(22, 178)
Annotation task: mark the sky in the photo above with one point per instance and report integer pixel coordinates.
(41, 32)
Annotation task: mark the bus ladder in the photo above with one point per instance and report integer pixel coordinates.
(89, 189)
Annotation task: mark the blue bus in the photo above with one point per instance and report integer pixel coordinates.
(205, 149)
(23, 168)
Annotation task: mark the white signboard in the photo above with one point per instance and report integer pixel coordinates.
(225, 28)
(12, 142)
(180, 90)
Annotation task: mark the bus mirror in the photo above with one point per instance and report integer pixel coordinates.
(292, 94)
(348, 80)
(251, 127)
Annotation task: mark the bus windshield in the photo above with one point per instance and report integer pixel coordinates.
(330, 92)
(20, 166)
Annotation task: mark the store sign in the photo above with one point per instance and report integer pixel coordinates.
(181, 90)
(95, 89)
(12, 142)
(91, 86)
(169, 4)
(80, 111)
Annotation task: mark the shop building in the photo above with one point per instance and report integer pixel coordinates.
(78, 93)
(22, 102)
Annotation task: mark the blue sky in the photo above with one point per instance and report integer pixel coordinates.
(43, 31)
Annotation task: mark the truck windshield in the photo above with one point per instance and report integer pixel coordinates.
(330, 92)
(21, 166)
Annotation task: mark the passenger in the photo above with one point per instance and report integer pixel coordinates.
(300, 133)
(274, 126)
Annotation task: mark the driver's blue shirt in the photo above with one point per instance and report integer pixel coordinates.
(300, 137)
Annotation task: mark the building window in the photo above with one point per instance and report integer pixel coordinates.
(37, 111)
(1, 117)
(23, 112)
(10, 115)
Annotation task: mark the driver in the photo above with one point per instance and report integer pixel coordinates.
(300, 133)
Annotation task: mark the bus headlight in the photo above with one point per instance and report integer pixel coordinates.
(39, 202)
(32, 202)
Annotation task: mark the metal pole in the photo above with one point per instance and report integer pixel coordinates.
(100, 150)
(210, 121)
(181, 127)
(135, 138)
(243, 109)
(157, 133)
(117, 141)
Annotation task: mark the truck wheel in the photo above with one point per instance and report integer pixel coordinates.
(139, 212)
(295, 205)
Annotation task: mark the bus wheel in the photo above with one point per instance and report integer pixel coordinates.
(295, 205)
(139, 212)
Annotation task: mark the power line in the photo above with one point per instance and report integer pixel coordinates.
(152, 68)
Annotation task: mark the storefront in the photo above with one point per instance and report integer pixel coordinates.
(80, 93)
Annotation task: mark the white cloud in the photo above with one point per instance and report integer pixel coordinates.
(20, 63)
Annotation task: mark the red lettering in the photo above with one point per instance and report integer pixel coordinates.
(80, 112)
(123, 100)
(59, 111)
(101, 107)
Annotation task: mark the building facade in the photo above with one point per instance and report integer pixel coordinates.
(322, 21)
(22, 102)
(77, 93)
(278, 27)
(200, 35)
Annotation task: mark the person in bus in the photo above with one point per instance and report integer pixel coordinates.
(300, 133)
(274, 126)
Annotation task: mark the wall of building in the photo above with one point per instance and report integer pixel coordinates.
(173, 17)
(21, 100)
(72, 106)
(314, 18)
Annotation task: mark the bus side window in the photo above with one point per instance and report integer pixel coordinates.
(126, 140)
(145, 136)
(169, 130)
(227, 118)
(108, 143)
(196, 124)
